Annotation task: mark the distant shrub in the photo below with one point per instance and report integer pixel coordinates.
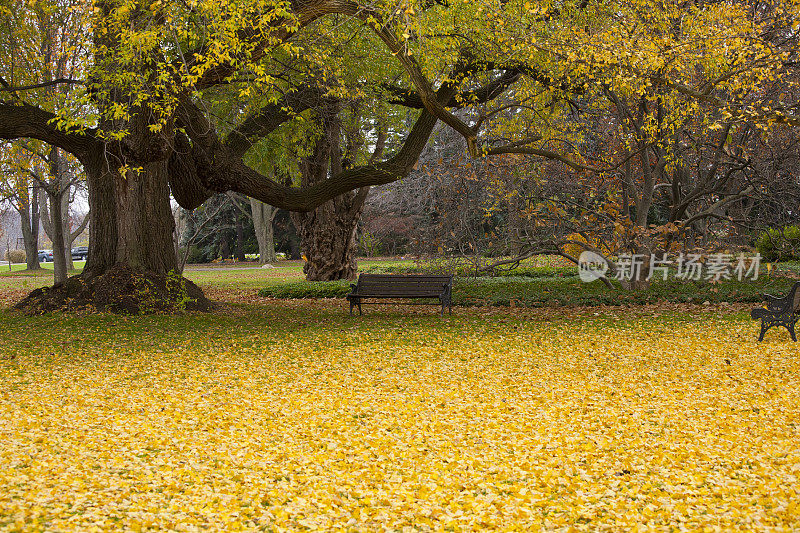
(16, 256)
(369, 245)
(196, 255)
(527, 271)
(779, 244)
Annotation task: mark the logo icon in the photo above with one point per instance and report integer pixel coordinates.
(591, 266)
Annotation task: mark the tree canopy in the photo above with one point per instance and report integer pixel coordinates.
(147, 78)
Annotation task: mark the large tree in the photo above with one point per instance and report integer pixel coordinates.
(146, 127)
(328, 233)
(140, 112)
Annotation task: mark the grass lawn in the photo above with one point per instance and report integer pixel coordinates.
(233, 276)
(289, 415)
(19, 269)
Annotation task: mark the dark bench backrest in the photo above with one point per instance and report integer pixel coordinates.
(402, 284)
(796, 302)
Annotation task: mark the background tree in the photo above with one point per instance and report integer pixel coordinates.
(57, 191)
(21, 193)
(221, 228)
(44, 181)
(263, 218)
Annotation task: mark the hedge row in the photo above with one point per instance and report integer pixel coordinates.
(568, 291)
(466, 270)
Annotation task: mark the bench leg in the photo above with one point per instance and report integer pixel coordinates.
(446, 302)
(355, 302)
(764, 329)
(791, 331)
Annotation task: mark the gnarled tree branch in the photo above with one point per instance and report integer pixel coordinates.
(25, 120)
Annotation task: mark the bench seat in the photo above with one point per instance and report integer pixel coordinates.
(399, 286)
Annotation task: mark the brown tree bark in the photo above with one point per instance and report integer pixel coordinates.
(263, 215)
(328, 233)
(130, 219)
(328, 236)
(29, 214)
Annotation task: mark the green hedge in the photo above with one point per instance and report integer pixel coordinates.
(779, 245)
(464, 270)
(572, 292)
(567, 291)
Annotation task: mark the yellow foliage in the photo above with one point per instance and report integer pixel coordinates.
(285, 419)
(574, 249)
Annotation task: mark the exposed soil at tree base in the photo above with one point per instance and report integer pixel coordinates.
(120, 290)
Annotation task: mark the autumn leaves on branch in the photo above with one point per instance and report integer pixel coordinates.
(509, 78)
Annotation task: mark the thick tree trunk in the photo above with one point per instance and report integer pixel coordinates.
(132, 264)
(328, 233)
(130, 220)
(144, 222)
(102, 219)
(263, 215)
(328, 236)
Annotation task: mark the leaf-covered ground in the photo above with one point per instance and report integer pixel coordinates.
(292, 416)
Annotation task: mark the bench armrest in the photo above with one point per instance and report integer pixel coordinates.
(777, 304)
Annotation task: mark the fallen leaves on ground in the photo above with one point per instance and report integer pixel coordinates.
(293, 416)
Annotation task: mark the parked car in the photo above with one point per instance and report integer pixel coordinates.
(80, 253)
(45, 256)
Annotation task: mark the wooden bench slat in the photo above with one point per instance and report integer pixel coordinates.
(398, 296)
(401, 289)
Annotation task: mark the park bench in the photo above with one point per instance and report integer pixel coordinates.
(779, 312)
(396, 286)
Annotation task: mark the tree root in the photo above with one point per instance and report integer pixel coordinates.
(121, 290)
